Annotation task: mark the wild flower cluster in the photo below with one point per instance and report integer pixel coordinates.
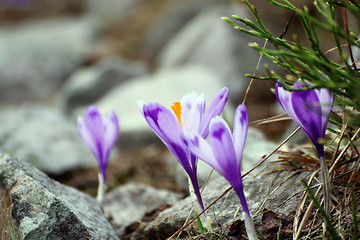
(185, 127)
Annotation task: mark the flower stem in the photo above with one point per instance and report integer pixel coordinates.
(195, 193)
(199, 206)
(326, 185)
(249, 223)
(250, 228)
(101, 189)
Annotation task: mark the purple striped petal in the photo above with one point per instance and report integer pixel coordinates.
(284, 97)
(240, 131)
(165, 125)
(91, 131)
(192, 121)
(307, 107)
(200, 148)
(87, 137)
(216, 107)
(326, 98)
(187, 102)
(111, 134)
(163, 122)
(221, 142)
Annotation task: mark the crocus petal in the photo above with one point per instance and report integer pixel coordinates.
(162, 121)
(166, 127)
(240, 131)
(111, 133)
(91, 131)
(326, 98)
(308, 110)
(86, 137)
(187, 102)
(300, 84)
(200, 148)
(193, 121)
(285, 99)
(215, 109)
(221, 142)
(94, 122)
(238, 187)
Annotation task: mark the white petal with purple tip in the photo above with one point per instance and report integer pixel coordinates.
(216, 107)
(221, 142)
(240, 131)
(202, 150)
(193, 120)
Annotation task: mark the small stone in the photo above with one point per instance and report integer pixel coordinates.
(129, 203)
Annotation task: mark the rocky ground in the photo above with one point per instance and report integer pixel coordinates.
(58, 58)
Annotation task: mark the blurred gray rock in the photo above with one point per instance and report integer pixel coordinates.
(36, 57)
(87, 85)
(170, 22)
(44, 137)
(107, 12)
(257, 189)
(127, 204)
(256, 147)
(27, 9)
(36, 207)
(165, 87)
(213, 43)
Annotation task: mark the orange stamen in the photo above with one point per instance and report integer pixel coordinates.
(177, 110)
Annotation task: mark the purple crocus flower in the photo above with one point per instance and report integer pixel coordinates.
(99, 134)
(188, 115)
(224, 153)
(310, 109)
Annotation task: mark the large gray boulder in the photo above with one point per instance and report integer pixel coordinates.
(35, 207)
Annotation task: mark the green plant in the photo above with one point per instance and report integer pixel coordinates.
(311, 63)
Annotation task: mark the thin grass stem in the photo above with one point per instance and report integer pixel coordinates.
(326, 187)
